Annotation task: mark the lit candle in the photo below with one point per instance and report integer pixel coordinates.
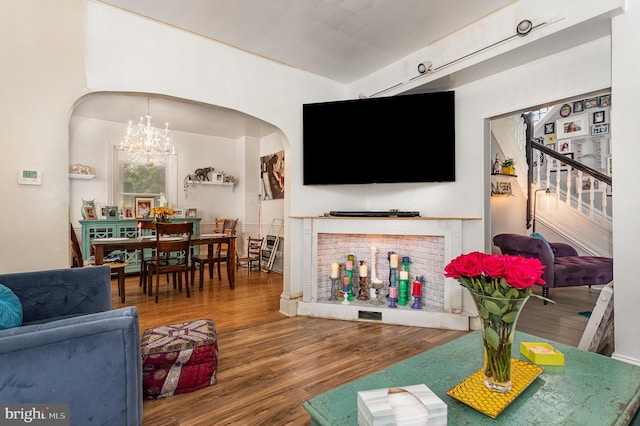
(393, 261)
(404, 275)
(349, 265)
(334, 270)
(345, 284)
(363, 270)
(393, 292)
(416, 288)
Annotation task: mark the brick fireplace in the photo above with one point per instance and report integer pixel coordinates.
(430, 243)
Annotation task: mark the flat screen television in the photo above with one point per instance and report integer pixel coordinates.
(399, 139)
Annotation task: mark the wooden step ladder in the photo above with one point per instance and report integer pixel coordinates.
(270, 245)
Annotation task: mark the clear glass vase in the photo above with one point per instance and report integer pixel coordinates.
(499, 317)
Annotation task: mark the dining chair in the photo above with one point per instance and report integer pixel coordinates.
(77, 261)
(147, 228)
(220, 255)
(254, 248)
(173, 242)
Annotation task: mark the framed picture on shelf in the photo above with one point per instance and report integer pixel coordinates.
(90, 213)
(549, 128)
(111, 212)
(191, 212)
(179, 213)
(605, 100)
(143, 206)
(503, 188)
(599, 129)
(577, 125)
(128, 212)
(578, 106)
(598, 117)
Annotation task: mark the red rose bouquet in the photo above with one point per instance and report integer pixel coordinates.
(500, 286)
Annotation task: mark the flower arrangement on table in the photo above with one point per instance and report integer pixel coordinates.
(162, 214)
(500, 285)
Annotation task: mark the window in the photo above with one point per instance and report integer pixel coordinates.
(149, 179)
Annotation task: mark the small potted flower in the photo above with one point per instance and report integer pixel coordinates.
(509, 166)
(162, 214)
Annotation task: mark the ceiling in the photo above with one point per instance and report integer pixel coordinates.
(342, 40)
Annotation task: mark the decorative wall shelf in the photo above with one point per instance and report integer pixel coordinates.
(79, 176)
(503, 174)
(206, 182)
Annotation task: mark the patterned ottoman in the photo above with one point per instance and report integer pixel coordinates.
(179, 358)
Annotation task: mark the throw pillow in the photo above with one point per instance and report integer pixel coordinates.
(541, 237)
(10, 309)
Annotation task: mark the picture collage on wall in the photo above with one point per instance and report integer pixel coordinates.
(581, 131)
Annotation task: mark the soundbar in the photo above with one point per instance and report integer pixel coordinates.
(368, 213)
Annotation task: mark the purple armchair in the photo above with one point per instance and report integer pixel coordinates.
(564, 268)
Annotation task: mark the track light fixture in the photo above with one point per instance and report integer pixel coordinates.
(524, 27)
(424, 67)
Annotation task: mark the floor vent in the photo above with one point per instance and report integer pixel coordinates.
(368, 315)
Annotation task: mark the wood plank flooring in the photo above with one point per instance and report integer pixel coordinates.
(269, 363)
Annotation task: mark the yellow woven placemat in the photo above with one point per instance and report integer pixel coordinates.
(473, 392)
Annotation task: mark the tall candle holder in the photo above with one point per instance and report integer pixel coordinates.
(362, 294)
(403, 296)
(417, 289)
(345, 290)
(377, 286)
(335, 274)
(334, 289)
(349, 267)
(393, 297)
(405, 267)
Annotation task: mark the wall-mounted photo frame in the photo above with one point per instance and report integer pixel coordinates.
(585, 185)
(142, 207)
(191, 212)
(563, 166)
(565, 110)
(592, 103)
(578, 125)
(179, 213)
(605, 100)
(90, 213)
(564, 146)
(599, 129)
(599, 117)
(610, 166)
(549, 128)
(578, 106)
(111, 212)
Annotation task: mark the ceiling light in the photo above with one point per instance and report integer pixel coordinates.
(145, 144)
(524, 27)
(424, 67)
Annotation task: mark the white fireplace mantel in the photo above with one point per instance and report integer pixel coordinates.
(451, 316)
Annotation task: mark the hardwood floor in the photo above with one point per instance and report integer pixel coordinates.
(269, 363)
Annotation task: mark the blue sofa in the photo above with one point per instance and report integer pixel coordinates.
(72, 348)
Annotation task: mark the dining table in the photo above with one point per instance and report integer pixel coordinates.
(100, 246)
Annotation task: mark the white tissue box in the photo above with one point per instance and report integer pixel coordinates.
(408, 405)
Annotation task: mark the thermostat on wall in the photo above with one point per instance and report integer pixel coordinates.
(29, 177)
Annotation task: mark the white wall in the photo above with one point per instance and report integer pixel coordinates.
(626, 197)
(47, 74)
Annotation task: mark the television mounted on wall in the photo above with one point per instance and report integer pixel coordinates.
(399, 139)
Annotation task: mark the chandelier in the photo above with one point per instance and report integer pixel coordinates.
(144, 143)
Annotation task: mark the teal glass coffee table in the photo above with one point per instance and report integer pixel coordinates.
(590, 389)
